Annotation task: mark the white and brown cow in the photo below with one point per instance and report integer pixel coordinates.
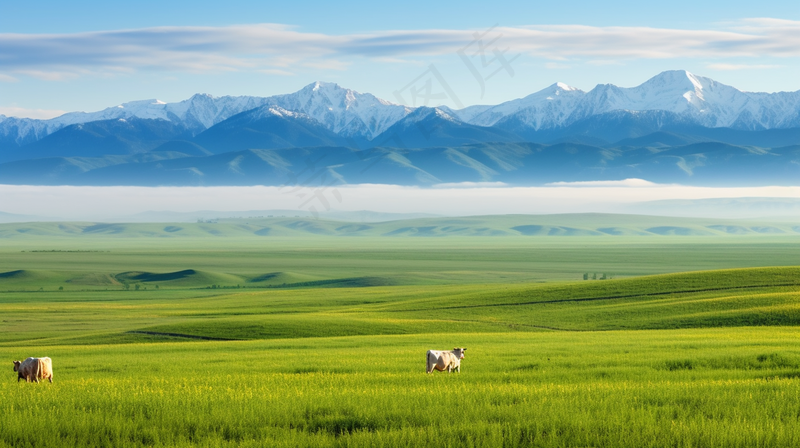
(34, 369)
(444, 360)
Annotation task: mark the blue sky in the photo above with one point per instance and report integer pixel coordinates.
(88, 55)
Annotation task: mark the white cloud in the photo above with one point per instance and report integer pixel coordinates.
(728, 67)
(634, 183)
(20, 112)
(6, 78)
(271, 46)
(471, 185)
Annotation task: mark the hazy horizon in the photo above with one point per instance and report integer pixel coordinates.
(630, 196)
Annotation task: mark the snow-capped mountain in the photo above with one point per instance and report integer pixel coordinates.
(547, 108)
(196, 113)
(696, 99)
(427, 127)
(706, 102)
(267, 127)
(343, 111)
(362, 117)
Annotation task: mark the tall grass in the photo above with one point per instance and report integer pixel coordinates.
(655, 388)
(345, 366)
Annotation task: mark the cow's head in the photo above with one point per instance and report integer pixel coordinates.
(459, 352)
(16, 365)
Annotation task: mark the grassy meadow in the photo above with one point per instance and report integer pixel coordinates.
(320, 340)
(707, 387)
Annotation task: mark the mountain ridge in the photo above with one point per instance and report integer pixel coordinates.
(364, 117)
(675, 127)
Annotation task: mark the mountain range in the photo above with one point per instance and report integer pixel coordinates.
(676, 127)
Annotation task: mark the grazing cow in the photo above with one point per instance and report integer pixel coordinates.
(442, 360)
(34, 369)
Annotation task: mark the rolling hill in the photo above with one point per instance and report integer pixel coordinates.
(706, 299)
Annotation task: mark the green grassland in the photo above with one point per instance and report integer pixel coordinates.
(318, 340)
(110, 261)
(657, 388)
(728, 298)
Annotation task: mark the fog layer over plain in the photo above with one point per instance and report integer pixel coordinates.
(114, 203)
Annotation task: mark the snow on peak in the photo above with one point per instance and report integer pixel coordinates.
(549, 107)
(443, 114)
(695, 80)
(279, 112)
(566, 87)
(698, 99)
(422, 113)
(351, 114)
(702, 100)
(322, 85)
(343, 111)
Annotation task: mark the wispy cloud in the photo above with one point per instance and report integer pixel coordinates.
(6, 78)
(632, 183)
(471, 185)
(728, 67)
(274, 46)
(20, 112)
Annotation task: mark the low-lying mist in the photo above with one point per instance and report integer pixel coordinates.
(31, 203)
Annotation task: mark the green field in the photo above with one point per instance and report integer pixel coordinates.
(320, 340)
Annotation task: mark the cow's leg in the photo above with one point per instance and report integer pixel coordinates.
(51, 379)
(430, 361)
